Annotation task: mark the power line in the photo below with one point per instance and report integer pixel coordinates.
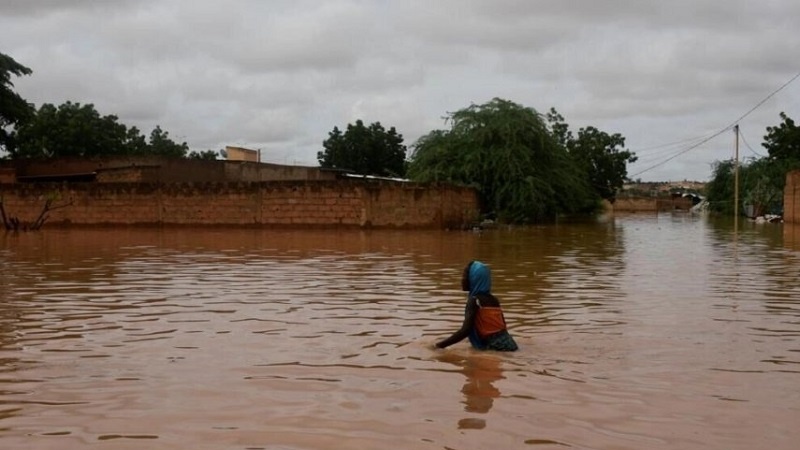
(657, 155)
(747, 144)
(682, 152)
(703, 141)
(797, 75)
(669, 144)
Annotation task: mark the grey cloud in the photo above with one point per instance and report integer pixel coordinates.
(37, 8)
(279, 75)
(326, 37)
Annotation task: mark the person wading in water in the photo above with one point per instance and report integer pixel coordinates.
(484, 323)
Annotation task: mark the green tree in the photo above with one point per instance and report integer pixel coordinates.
(783, 141)
(559, 127)
(761, 184)
(75, 130)
(602, 156)
(71, 130)
(365, 150)
(14, 110)
(206, 155)
(719, 191)
(162, 145)
(508, 153)
(135, 142)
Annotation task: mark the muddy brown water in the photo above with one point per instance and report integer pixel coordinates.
(661, 331)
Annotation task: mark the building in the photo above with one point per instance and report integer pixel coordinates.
(242, 154)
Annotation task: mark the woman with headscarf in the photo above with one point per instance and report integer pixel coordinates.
(484, 323)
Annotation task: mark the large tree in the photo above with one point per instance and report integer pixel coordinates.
(783, 141)
(365, 150)
(75, 130)
(602, 156)
(70, 130)
(508, 153)
(14, 110)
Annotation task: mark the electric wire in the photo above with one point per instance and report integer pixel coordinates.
(747, 144)
(712, 136)
(692, 147)
(669, 144)
(651, 156)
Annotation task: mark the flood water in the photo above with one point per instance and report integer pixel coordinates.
(638, 332)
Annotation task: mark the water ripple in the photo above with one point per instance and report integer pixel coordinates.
(320, 339)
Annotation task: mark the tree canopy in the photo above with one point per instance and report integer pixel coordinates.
(601, 156)
(162, 145)
(507, 151)
(783, 141)
(14, 110)
(75, 130)
(206, 155)
(365, 150)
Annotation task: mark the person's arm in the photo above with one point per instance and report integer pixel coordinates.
(466, 326)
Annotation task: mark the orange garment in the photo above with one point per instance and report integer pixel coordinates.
(489, 321)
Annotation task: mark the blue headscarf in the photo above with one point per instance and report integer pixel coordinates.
(480, 282)
(480, 279)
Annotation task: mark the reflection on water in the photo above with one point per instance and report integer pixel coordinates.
(642, 331)
(481, 371)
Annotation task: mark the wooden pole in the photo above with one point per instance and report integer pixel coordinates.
(736, 180)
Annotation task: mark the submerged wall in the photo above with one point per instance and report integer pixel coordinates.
(791, 198)
(648, 204)
(348, 203)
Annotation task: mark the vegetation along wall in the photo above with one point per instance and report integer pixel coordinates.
(348, 203)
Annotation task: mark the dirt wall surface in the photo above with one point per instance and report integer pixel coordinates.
(652, 204)
(348, 203)
(152, 169)
(8, 175)
(791, 198)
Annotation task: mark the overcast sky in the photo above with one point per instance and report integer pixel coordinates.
(279, 75)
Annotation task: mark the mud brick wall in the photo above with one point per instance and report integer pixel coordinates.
(154, 169)
(348, 203)
(791, 198)
(8, 175)
(652, 204)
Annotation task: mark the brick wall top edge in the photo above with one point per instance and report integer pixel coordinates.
(282, 183)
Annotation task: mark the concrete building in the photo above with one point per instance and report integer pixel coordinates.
(242, 154)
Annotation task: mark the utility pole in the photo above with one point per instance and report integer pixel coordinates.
(736, 180)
